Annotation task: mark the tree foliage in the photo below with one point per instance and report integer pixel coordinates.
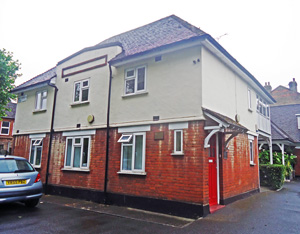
(8, 75)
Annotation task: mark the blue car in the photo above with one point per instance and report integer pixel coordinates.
(19, 181)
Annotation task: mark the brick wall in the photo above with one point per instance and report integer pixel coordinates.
(22, 148)
(237, 176)
(168, 176)
(94, 179)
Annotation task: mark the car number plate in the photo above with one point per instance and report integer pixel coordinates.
(13, 182)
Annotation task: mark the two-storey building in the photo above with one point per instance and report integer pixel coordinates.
(161, 118)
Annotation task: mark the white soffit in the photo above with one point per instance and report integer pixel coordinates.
(175, 126)
(79, 133)
(142, 128)
(41, 135)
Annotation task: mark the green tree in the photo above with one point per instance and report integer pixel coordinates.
(8, 75)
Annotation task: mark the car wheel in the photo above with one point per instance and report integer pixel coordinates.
(32, 203)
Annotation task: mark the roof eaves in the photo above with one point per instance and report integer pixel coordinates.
(121, 58)
(30, 87)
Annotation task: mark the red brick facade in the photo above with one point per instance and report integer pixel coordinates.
(6, 141)
(181, 178)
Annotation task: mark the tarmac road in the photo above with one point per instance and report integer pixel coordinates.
(266, 212)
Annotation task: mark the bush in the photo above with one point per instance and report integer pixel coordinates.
(272, 175)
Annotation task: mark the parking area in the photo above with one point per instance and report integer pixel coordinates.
(266, 212)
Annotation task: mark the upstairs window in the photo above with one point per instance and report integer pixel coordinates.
(135, 80)
(81, 91)
(36, 152)
(41, 100)
(249, 100)
(298, 120)
(262, 107)
(5, 128)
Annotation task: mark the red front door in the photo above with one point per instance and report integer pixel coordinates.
(212, 177)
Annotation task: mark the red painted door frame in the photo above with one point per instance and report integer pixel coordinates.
(212, 172)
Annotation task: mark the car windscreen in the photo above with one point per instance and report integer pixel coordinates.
(14, 166)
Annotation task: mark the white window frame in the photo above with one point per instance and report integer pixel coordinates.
(262, 108)
(181, 142)
(249, 100)
(3, 127)
(41, 100)
(135, 78)
(37, 143)
(81, 88)
(251, 152)
(74, 144)
(133, 170)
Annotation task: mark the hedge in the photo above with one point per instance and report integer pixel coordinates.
(272, 175)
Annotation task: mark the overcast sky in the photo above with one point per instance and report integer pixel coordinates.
(263, 35)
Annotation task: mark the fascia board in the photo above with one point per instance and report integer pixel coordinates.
(159, 51)
(32, 87)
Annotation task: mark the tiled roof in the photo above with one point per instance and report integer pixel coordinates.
(285, 96)
(44, 77)
(285, 118)
(11, 114)
(278, 133)
(232, 124)
(163, 32)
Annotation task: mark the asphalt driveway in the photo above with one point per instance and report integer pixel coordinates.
(266, 212)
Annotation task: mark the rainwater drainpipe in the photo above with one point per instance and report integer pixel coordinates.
(107, 137)
(51, 134)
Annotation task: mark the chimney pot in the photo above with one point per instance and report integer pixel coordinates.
(268, 87)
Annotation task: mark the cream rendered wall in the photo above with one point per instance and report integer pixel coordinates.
(173, 90)
(67, 116)
(225, 92)
(27, 120)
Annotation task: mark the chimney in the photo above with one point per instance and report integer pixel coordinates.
(293, 85)
(268, 87)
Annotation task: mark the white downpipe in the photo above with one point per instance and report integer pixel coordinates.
(218, 168)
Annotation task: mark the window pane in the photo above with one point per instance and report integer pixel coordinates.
(130, 73)
(44, 103)
(127, 157)
(129, 86)
(38, 156)
(141, 79)
(85, 83)
(38, 101)
(85, 152)
(85, 95)
(5, 124)
(251, 151)
(178, 141)
(31, 160)
(4, 131)
(77, 140)
(77, 154)
(77, 92)
(69, 152)
(138, 160)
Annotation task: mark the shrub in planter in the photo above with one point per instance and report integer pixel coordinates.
(272, 175)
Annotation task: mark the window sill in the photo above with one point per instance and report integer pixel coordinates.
(177, 154)
(37, 167)
(75, 169)
(132, 173)
(252, 164)
(39, 111)
(74, 104)
(134, 94)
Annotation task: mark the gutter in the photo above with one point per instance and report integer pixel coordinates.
(51, 135)
(107, 137)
